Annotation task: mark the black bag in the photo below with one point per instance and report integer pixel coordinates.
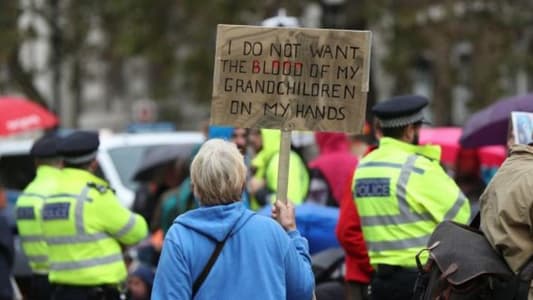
(463, 265)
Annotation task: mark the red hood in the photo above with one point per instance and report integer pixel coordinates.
(330, 142)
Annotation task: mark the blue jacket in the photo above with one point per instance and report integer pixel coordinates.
(259, 260)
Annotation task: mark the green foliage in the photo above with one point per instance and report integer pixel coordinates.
(177, 39)
(493, 28)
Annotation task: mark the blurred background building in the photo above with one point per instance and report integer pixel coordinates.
(110, 63)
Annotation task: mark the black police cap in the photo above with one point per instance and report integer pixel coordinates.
(79, 147)
(400, 110)
(45, 147)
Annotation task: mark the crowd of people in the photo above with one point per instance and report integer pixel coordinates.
(194, 233)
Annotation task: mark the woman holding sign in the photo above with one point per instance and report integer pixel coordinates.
(224, 251)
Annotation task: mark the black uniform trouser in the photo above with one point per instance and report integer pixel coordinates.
(40, 287)
(70, 292)
(392, 282)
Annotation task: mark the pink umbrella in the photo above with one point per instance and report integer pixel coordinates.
(448, 138)
(19, 115)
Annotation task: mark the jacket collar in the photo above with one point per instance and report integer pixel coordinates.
(84, 175)
(432, 152)
(46, 171)
(521, 149)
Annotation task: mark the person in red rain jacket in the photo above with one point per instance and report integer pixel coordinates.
(335, 163)
(350, 236)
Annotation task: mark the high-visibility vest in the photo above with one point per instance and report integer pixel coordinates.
(266, 164)
(84, 225)
(298, 178)
(402, 193)
(28, 214)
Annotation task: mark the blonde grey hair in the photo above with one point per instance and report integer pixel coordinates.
(218, 173)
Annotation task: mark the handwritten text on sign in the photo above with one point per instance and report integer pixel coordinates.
(293, 78)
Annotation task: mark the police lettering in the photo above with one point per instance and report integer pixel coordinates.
(56, 211)
(372, 187)
(25, 213)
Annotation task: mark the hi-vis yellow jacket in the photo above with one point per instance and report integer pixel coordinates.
(402, 193)
(267, 163)
(84, 225)
(28, 211)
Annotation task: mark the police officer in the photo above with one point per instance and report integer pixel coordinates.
(264, 182)
(402, 193)
(85, 225)
(28, 212)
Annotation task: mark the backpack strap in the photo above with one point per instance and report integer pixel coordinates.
(198, 282)
(524, 280)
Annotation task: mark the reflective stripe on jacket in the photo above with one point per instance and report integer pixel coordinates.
(84, 225)
(402, 193)
(28, 213)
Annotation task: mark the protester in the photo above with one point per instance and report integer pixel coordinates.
(256, 256)
(238, 136)
(335, 164)
(28, 208)
(264, 182)
(467, 175)
(177, 203)
(84, 225)
(507, 211)
(7, 257)
(181, 199)
(402, 193)
(149, 193)
(176, 200)
(362, 143)
(140, 283)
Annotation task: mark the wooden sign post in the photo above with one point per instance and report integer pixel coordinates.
(290, 79)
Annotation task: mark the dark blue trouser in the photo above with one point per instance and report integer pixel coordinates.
(64, 292)
(40, 287)
(394, 283)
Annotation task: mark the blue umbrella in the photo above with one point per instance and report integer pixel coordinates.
(316, 223)
(489, 126)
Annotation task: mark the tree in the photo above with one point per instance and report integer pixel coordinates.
(176, 40)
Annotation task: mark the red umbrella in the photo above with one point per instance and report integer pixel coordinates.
(19, 115)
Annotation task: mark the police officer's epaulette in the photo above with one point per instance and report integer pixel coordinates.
(102, 189)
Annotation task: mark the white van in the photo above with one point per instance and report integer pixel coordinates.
(120, 154)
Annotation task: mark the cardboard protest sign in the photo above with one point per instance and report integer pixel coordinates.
(522, 126)
(291, 78)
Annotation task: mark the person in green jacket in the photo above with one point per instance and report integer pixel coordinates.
(85, 226)
(28, 212)
(264, 182)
